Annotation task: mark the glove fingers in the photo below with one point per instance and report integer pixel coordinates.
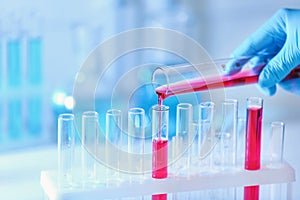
(280, 66)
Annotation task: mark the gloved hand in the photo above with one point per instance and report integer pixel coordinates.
(279, 37)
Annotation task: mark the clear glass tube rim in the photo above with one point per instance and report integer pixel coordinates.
(254, 102)
(114, 112)
(230, 101)
(136, 111)
(184, 106)
(66, 116)
(90, 114)
(160, 108)
(278, 124)
(207, 104)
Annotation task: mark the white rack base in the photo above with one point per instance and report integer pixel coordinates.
(172, 184)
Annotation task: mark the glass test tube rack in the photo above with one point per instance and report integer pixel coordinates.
(193, 172)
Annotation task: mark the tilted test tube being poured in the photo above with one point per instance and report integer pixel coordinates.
(188, 78)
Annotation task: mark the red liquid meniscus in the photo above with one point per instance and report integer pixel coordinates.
(253, 138)
(159, 158)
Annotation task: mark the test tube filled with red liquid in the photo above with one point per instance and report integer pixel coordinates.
(160, 120)
(253, 133)
(253, 142)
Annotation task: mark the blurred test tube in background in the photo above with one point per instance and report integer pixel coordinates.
(14, 77)
(34, 76)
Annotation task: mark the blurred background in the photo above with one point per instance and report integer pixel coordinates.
(44, 43)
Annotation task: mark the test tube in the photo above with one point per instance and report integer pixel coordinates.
(229, 133)
(113, 143)
(65, 147)
(160, 125)
(276, 143)
(34, 61)
(89, 146)
(184, 119)
(253, 142)
(14, 62)
(253, 133)
(15, 122)
(14, 75)
(207, 137)
(136, 139)
(34, 76)
(276, 155)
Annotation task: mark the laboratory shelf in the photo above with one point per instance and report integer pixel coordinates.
(173, 184)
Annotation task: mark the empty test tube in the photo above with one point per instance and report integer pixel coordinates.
(206, 133)
(184, 138)
(66, 145)
(89, 145)
(113, 143)
(229, 133)
(276, 143)
(136, 139)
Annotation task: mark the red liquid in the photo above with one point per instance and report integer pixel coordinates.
(251, 193)
(160, 158)
(160, 100)
(199, 84)
(253, 147)
(160, 197)
(253, 138)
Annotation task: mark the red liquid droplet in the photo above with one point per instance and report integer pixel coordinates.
(160, 158)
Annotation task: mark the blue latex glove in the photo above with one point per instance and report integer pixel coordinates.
(279, 37)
